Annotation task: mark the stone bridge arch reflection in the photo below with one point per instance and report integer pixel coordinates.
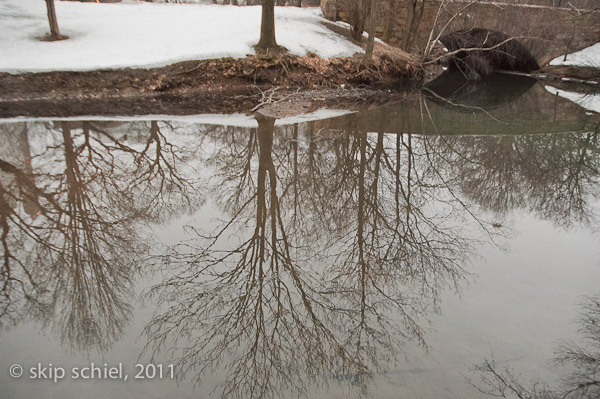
(451, 90)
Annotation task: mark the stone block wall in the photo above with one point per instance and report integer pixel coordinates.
(547, 32)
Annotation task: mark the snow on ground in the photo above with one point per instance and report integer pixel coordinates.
(365, 34)
(591, 102)
(587, 57)
(140, 34)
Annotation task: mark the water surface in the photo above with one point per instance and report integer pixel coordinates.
(381, 253)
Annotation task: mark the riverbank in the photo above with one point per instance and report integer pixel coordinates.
(214, 85)
(181, 58)
(572, 74)
(282, 85)
(174, 58)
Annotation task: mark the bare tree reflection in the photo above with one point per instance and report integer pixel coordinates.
(15, 273)
(554, 176)
(551, 175)
(580, 360)
(159, 178)
(398, 252)
(333, 252)
(278, 306)
(77, 257)
(252, 297)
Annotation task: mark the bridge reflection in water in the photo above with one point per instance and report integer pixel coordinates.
(498, 105)
(316, 252)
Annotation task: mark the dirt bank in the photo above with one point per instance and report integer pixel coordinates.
(575, 74)
(220, 85)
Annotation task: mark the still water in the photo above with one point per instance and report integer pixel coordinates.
(381, 253)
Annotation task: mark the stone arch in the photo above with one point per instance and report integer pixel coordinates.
(498, 51)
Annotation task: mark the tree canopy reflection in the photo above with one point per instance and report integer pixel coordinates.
(332, 253)
(70, 213)
(579, 360)
(328, 253)
(554, 176)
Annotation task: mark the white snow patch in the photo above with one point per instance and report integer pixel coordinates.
(140, 34)
(591, 102)
(589, 57)
(313, 116)
(236, 120)
(365, 34)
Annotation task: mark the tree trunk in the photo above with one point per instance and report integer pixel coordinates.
(267, 26)
(54, 32)
(371, 40)
(299, 3)
(390, 20)
(415, 16)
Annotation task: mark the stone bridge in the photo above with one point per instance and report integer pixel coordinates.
(546, 30)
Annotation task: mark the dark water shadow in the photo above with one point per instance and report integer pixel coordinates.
(452, 90)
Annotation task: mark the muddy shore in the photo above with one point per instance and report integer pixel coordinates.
(283, 85)
(212, 86)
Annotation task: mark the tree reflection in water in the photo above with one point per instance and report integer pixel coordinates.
(71, 227)
(581, 361)
(553, 176)
(333, 255)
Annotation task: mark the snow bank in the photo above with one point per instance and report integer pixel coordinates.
(365, 34)
(141, 34)
(591, 102)
(587, 57)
